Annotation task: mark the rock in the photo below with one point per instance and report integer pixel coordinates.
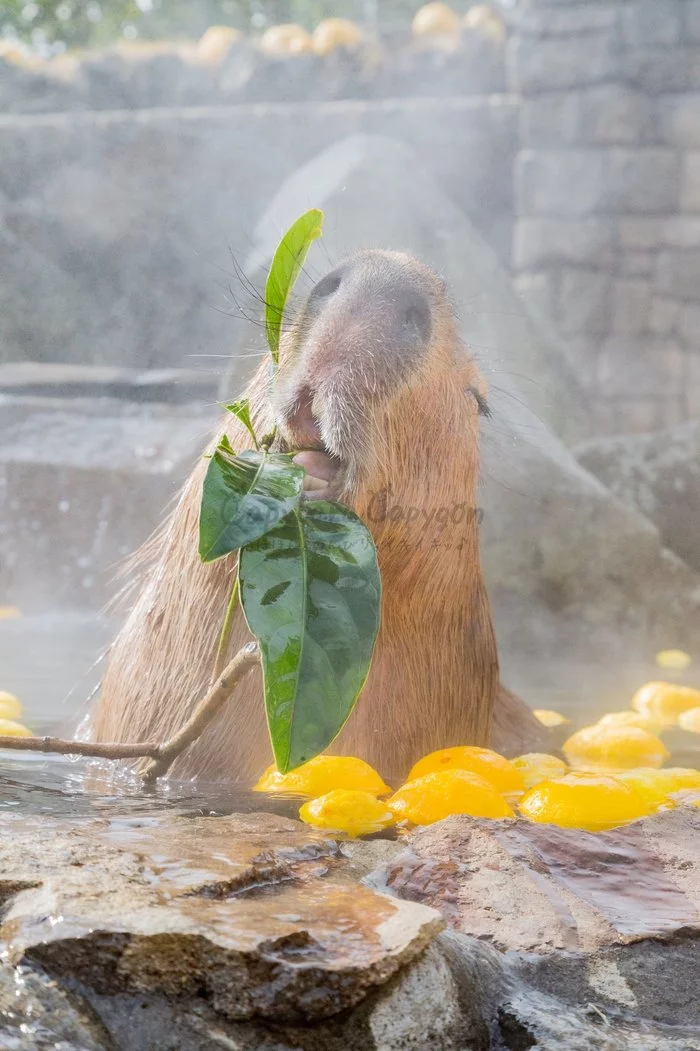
(644, 24)
(605, 115)
(690, 182)
(580, 242)
(570, 569)
(596, 181)
(659, 475)
(197, 933)
(610, 919)
(34, 1007)
(175, 908)
(104, 263)
(679, 120)
(84, 480)
(557, 64)
(584, 301)
(678, 273)
(251, 932)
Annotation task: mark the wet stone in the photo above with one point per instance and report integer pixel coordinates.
(232, 910)
(611, 919)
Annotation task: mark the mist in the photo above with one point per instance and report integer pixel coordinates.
(541, 158)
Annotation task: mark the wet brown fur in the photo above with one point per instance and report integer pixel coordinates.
(434, 676)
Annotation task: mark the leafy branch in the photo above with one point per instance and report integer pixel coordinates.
(307, 580)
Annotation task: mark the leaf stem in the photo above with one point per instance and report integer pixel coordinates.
(225, 636)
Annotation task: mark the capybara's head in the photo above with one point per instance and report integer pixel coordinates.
(374, 384)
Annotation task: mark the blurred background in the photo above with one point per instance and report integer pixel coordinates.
(544, 155)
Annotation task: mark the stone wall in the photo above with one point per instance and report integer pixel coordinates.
(607, 194)
(583, 172)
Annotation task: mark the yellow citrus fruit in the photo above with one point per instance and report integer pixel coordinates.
(437, 795)
(614, 748)
(287, 39)
(548, 717)
(333, 33)
(323, 774)
(630, 718)
(690, 720)
(435, 19)
(10, 708)
(8, 728)
(538, 766)
(482, 761)
(588, 801)
(349, 811)
(655, 786)
(215, 44)
(676, 660)
(665, 701)
(483, 19)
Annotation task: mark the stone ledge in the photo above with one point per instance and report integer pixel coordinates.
(54, 380)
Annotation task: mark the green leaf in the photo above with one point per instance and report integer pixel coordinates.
(311, 593)
(284, 270)
(241, 410)
(244, 496)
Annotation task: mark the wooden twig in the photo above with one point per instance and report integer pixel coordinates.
(245, 660)
(162, 755)
(138, 750)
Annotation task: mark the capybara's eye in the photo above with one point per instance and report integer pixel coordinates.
(326, 286)
(417, 320)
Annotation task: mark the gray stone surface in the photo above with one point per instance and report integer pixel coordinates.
(122, 232)
(659, 474)
(678, 273)
(604, 115)
(662, 70)
(584, 301)
(580, 242)
(629, 367)
(567, 21)
(693, 20)
(645, 22)
(632, 303)
(690, 182)
(577, 183)
(679, 120)
(610, 919)
(557, 64)
(84, 481)
(143, 75)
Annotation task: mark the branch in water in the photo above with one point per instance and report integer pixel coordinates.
(245, 660)
(162, 756)
(59, 745)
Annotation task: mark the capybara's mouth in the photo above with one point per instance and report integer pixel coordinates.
(301, 431)
(323, 479)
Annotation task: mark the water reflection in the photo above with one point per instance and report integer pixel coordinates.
(78, 788)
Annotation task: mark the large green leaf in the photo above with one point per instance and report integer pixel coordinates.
(311, 594)
(244, 496)
(286, 263)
